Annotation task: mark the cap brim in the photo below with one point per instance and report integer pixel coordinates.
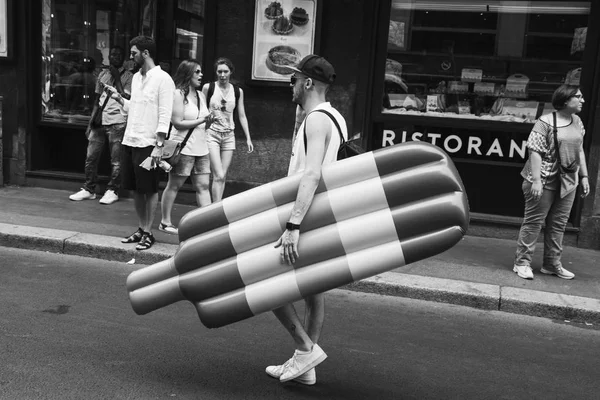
(293, 68)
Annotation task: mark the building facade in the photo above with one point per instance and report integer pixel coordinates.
(468, 76)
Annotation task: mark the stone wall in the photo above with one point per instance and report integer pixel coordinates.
(13, 89)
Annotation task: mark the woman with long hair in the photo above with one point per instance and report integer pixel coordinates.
(190, 112)
(223, 99)
(555, 166)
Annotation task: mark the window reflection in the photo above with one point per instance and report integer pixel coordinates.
(493, 60)
(76, 38)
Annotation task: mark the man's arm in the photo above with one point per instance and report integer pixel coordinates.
(165, 109)
(318, 130)
(116, 75)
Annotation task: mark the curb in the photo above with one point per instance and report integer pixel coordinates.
(471, 294)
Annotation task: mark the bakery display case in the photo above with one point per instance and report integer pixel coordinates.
(481, 60)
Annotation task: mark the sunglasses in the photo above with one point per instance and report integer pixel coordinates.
(223, 105)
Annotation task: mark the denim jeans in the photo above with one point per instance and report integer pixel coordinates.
(97, 138)
(555, 212)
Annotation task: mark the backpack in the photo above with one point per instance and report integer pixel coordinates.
(347, 148)
(211, 91)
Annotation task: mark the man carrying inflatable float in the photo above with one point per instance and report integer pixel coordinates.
(357, 217)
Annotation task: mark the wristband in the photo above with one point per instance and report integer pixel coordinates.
(290, 227)
(583, 176)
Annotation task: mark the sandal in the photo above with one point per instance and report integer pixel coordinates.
(134, 237)
(170, 229)
(146, 242)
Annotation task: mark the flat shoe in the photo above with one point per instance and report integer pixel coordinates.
(134, 237)
(146, 242)
(170, 229)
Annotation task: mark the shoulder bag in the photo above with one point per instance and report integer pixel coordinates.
(172, 148)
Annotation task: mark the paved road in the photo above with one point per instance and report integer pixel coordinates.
(67, 332)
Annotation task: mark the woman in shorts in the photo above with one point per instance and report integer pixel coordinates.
(224, 99)
(189, 112)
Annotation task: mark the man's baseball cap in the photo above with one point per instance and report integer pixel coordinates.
(316, 67)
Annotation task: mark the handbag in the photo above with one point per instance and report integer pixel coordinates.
(348, 148)
(568, 175)
(172, 148)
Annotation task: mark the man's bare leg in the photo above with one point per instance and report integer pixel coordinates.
(289, 319)
(314, 316)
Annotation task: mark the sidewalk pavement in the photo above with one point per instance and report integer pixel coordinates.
(477, 272)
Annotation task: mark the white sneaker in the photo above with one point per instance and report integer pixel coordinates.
(109, 197)
(558, 271)
(308, 378)
(82, 195)
(524, 271)
(301, 362)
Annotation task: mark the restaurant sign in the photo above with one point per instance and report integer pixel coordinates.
(464, 143)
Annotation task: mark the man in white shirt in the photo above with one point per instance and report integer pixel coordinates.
(148, 118)
(316, 143)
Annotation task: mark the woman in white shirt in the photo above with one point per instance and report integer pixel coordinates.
(189, 113)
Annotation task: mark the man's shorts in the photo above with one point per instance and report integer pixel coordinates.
(191, 165)
(135, 177)
(223, 141)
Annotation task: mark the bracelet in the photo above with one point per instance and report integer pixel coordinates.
(290, 227)
(583, 176)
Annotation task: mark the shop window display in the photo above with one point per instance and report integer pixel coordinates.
(76, 39)
(482, 60)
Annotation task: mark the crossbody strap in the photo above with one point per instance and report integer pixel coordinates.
(555, 134)
(184, 142)
(337, 125)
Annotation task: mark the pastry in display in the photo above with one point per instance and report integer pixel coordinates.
(458, 87)
(283, 26)
(274, 10)
(299, 16)
(484, 88)
(516, 86)
(280, 58)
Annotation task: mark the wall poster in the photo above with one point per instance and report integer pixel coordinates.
(284, 33)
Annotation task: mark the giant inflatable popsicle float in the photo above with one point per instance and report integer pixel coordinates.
(371, 213)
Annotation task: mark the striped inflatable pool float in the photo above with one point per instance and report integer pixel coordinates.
(371, 213)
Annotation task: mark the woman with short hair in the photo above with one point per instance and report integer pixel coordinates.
(555, 166)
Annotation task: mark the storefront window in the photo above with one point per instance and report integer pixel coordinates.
(189, 29)
(76, 38)
(485, 60)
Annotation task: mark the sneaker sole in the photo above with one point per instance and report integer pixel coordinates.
(545, 271)
(299, 379)
(308, 367)
(88, 198)
(305, 382)
(521, 276)
(107, 203)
